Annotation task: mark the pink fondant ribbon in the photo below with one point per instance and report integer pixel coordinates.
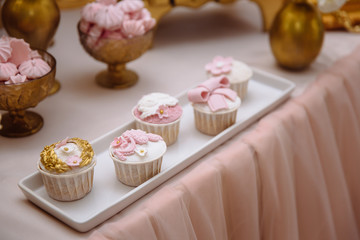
(213, 92)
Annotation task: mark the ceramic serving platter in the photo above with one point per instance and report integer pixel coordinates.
(109, 196)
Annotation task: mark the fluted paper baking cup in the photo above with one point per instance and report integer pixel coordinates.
(136, 173)
(68, 187)
(169, 131)
(240, 88)
(214, 123)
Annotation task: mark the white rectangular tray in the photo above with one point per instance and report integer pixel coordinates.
(109, 196)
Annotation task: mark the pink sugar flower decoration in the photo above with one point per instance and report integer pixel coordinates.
(117, 142)
(219, 65)
(163, 111)
(73, 161)
(62, 143)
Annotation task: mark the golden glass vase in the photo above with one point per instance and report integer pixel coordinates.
(16, 98)
(116, 53)
(296, 35)
(35, 21)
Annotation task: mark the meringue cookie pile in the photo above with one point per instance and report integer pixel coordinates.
(18, 63)
(116, 20)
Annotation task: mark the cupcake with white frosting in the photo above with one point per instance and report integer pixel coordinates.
(159, 113)
(215, 105)
(137, 156)
(237, 72)
(67, 169)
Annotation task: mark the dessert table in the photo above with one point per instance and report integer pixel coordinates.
(290, 175)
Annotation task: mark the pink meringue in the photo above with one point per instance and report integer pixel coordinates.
(7, 70)
(133, 28)
(35, 54)
(20, 51)
(107, 2)
(149, 23)
(113, 35)
(5, 49)
(96, 31)
(34, 68)
(88, 13)
(18, 78)
(84, 26)
(109, 17)
(131, 6)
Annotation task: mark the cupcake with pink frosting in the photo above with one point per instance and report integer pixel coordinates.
(109, 19)
(237, 72)
(19, 63)
(159, 113)
(215, 105)
(137, 156)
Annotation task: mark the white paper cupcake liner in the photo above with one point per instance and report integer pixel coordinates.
(240, 88)
(169, 131)
(134, 174)
(212, 123)
(68, 187)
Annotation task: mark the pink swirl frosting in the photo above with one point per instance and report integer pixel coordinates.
(7, 70)
(5, 49)
(213, 92)
(34, 68)
(125, 145)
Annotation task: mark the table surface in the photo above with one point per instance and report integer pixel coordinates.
(185, 41)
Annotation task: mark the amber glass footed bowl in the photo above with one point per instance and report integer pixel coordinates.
(116, 53)
(16, 98)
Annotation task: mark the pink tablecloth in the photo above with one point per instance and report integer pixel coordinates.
(295, 176)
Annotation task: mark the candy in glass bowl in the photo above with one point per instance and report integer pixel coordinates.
(26, 77)
(116, 33)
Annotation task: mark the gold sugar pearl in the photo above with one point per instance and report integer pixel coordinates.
(66, 149)
(161, 111)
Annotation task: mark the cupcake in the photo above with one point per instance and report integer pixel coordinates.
(159, 113)
(215, 105)
(67, 169)
(137, 156)
(237, 72)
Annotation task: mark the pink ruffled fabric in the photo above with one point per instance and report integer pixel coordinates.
(295, 176)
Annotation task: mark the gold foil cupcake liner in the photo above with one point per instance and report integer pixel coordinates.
(213, 124)
(134, 174)
(68, 187)
(240, 88)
